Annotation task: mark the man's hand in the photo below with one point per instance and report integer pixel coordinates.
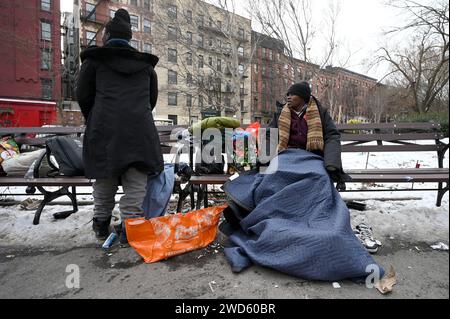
(336, 177)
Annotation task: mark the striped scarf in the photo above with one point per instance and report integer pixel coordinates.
(312, 117)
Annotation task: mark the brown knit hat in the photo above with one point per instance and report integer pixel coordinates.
(120, 25)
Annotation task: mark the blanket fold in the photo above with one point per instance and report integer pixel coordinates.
(297, 222)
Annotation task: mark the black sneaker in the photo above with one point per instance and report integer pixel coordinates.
(101, 228)
(123, 236)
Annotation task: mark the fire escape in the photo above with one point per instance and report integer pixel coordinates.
(94, 18)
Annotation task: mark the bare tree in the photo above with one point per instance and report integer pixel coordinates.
(213, 55)
(422, 66)
(310, 44)
(292, 22)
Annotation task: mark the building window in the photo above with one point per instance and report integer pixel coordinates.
(112, 13)
(46, 31)
(134, 3)
(147, 48)
(189, 37)
(201, 20)
(270, 55)
(241, 33)
(189, 58)
(147, 26)
(241, 51)
(148, 5)
(46, 59)
(189, 80)
(201, 39)
(172, 77)
(172, 54)
(200, 101)
(71, 38)
(90, 38)
(188, 100)
(242, 89)
(172, 98)
(189, 16)
(172, 11)
(242, 105)
(134, 44)
(200, 61)
(200, 80)
(46, 89)
(210, 61)
(241, 68)
(90, 8)
(46, 5)
(194, 119)
(174, 119)
(219, 65)
(134, 22)
(210, 42)
(172, 35)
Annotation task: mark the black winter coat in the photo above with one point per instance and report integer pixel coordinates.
(117, 91)
(331, 137)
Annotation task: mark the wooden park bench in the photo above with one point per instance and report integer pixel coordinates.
(31, 138)
(389, 137)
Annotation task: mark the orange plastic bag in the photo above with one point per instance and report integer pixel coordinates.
(163, 237)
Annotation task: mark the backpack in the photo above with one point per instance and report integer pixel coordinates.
(68, 153)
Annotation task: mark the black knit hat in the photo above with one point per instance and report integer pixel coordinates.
(301, 89)
(120, 26)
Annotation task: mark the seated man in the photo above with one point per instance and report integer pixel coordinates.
(291, 217)
(304, 123)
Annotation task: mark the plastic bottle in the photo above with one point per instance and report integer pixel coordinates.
(109, 241)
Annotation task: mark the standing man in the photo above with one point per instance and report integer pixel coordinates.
(117, 91)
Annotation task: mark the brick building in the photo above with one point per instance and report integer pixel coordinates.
(30, 51)
(30, 61)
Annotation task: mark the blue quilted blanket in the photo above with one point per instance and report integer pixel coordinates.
(298, 222)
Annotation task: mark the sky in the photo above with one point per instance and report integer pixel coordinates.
(360, 28)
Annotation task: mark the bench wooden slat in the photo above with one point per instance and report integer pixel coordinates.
(42, 130)
(401, 178)
(389, 148)
(44, 181)
(397, 171)
(391, 137)
(389, 126)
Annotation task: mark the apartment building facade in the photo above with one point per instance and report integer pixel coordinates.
(204, 52)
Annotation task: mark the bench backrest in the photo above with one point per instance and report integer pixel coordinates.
(354, 137)
(36, 136)
(401, 137)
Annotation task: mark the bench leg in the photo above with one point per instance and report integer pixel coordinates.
(73, 199)
(205, 198)
(192, 195)
(441, 193)
(183, 194)
(50, 196)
